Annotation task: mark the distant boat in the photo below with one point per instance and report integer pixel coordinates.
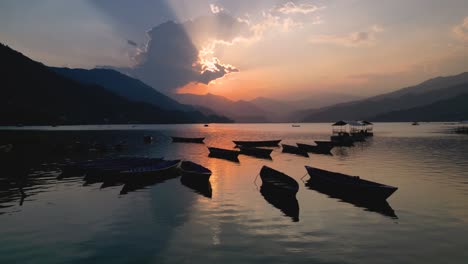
(206, 125)
(224, 154)
(318, 149)
(294, 150)
(350, 186)
(415, 124)
(296, 125)
(187, 140)
(266, 143)
(256, 152)
(278, 181)
(194, 171)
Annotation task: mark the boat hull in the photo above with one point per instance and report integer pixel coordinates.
(187, 140)
(227, 154)
(194, 171)
(256, 152)
(294, 150)
(276, 181)
(266, 143)
(349, 186)
(319, 149)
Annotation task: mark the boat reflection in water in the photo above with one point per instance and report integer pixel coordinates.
(137, 184)
(378, 206)
(286, 202)
(198, 186)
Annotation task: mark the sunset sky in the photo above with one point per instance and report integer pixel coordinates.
(245, 49)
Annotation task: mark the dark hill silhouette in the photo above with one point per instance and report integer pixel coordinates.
(452, 109)
(123, 85)
(32, 94)
(420, 95)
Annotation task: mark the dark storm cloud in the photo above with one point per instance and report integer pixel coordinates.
(171, 58)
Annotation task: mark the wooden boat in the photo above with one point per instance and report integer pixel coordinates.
(294, 150)
(351, 186)
(276, 181)
(187, 140)
(194, 171)
(266, 143)
(415, 124)
(206, 125)
(324, 143)
(296, 125)
(224, 154)
(165, 166)
(256, 152)
(323, 149)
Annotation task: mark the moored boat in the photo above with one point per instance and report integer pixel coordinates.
(275, 180)
(294, 150)
(224, 153)
(163, 167)
(318, 149)
(256, 152)
(187, 140)
(194, 171)
(265, 143)
(350, 186)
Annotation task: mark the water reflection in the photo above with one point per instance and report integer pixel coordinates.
(201, 187)
(381, 207)
(287, 203)
(135, 185)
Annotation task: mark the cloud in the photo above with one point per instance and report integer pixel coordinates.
(174, 57)
(461, 30)
(215, 9)
(354, 39)
(292, 8)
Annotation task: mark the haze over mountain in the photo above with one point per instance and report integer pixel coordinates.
(426, 93)
(239, 111)
(32, 94)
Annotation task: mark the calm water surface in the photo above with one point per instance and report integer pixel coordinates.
(68, 221)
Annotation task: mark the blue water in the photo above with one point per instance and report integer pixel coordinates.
(67, 221)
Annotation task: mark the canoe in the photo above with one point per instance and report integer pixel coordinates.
(266, 143)
(256, 152)
(187, 140)
(276, 181)
(165, 166)
(194, 171)
(350, 186)
(224, 153)
(294, 150)
(324, 143)
(324, 149)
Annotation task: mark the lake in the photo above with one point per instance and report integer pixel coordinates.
(70, 221)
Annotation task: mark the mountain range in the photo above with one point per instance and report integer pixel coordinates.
(33, 94)
(374, 108)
